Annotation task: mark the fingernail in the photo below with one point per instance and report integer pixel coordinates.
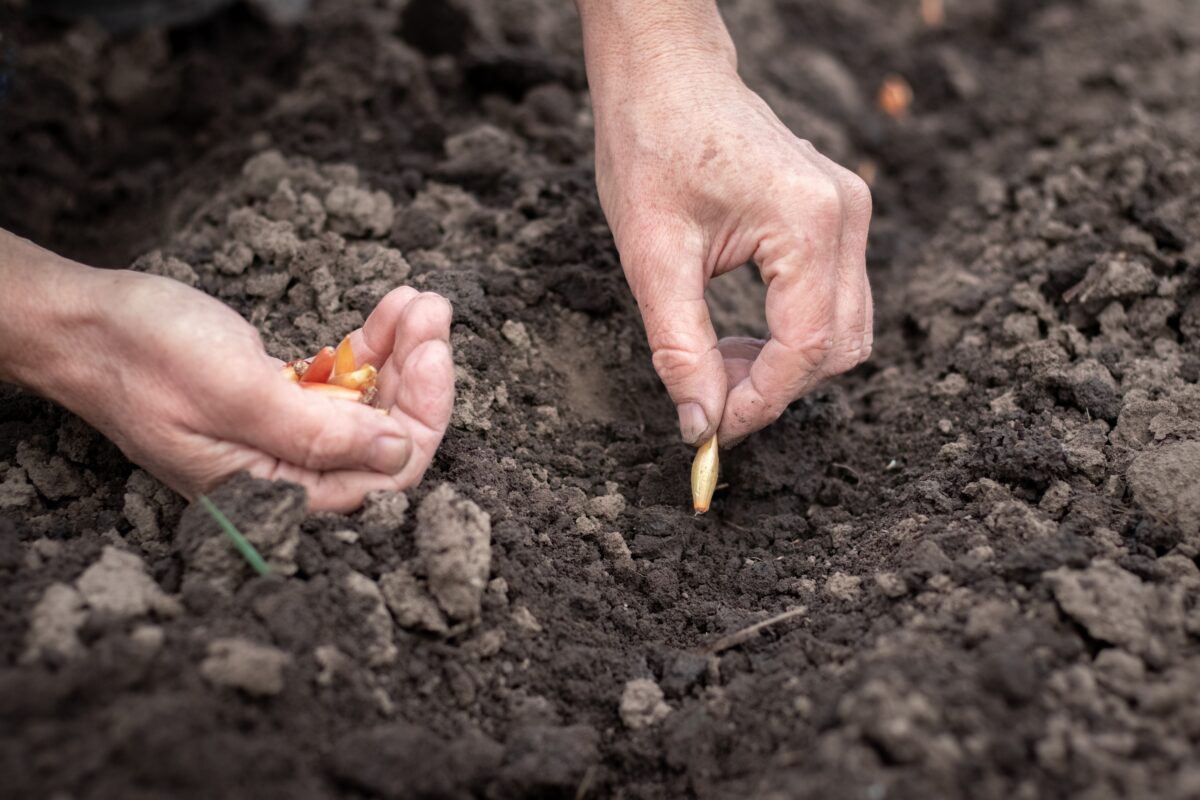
(389, 454)
(692, 422)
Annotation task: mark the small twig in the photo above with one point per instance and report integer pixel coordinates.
(585, 785)
(848, 470)
(746, 634)
(239, 541)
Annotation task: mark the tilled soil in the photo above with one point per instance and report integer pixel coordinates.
(975, 557)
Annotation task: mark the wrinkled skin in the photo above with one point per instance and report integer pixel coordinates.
(697, 176)
(182, 384)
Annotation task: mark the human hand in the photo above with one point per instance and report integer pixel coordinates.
(181, 383)
(697, 176)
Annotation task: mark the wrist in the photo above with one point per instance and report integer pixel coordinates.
(49, 316)
(639, 49)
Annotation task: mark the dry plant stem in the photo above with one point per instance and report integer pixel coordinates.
(746, 634)
(704, 475)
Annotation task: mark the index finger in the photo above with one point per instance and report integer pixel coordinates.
(373, 342)
(801, 308)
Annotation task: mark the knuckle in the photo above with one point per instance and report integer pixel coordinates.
(673, 363)
(801, 250)
(826, 202)
(818, 344)
(858, 200)
(323, 448)
(444, 306)
(851, 352)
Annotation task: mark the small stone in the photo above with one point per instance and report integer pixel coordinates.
(1166, 483)
(843, 586)
(233, 258)
(263, 172)
(587, 525)
(242, 664)
(454, 540)
(1124, 672)
(155, 263)
(609, 506)
(272, 242)
(1055, 498)
(1005, 404)
(54, 625)
(148, 640)
(952, 385)
(684, 672)
(333, 663)
(929, 559)
(268, 285)
(890, 584)
(484, 151)
(1092, 388)
(516, 334)
(524, 619)
(15, 490)
(410, 604)
(488, 643)
(1117, 607)
(989, 618)
(1021, 327)
(380, 647)
(282, 204)
(1112, 278)
(52, 475)
(497, 591)
(358, 212)
(642, 704)
(142, 516)
(118, 586)
(615, 548)
(384, 512)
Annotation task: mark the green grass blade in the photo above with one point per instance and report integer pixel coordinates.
(239, 541)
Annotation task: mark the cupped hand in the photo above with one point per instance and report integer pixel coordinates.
(697, 177)
(182, 384)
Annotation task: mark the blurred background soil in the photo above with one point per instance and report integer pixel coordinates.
(984, 539)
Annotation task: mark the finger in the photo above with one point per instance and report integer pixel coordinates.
(423, 403)
(426, 318)
(372, 343)
(869, 324)
(669, 289)
(802, 307)
(855, 318)
(851, 320)
(337, 490)
(319, 433)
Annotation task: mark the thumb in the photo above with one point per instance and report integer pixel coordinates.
(668, 282)
(320, 433)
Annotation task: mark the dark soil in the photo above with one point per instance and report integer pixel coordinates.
(991, 529)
